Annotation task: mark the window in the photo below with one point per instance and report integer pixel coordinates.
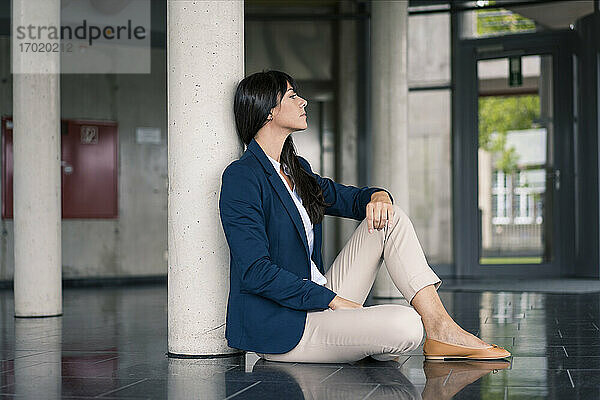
(501, 198)
(429, 125)
(527, 204)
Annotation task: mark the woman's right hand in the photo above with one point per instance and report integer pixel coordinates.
(341, 303)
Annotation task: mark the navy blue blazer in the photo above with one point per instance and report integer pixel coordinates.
(270, 288)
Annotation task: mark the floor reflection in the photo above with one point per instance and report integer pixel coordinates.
(111, 343)
(445, 379)
(38, 333)
(367, 378)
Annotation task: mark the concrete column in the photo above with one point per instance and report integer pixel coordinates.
(205, 58)
(389, 110)
(346, 146)
(36, 164)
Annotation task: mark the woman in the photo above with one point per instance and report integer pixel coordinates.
(282, 304)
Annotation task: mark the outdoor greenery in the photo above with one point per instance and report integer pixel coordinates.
(510, 260)
(501, 21)
(499, 114)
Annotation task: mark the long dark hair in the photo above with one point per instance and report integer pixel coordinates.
(255, 96)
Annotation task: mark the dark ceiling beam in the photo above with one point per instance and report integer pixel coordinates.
(456, 7)
(413, 9)
(303, 17)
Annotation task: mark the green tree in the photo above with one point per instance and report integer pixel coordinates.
(499, 114)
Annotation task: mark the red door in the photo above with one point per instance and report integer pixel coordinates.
(89, 165)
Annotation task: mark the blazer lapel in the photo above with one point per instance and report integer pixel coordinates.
(281, 191)
(317, 247)
(290, 206)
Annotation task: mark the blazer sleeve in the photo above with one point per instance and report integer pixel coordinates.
(346, 201)
(243, 222)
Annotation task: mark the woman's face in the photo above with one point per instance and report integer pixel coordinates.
(290, 112)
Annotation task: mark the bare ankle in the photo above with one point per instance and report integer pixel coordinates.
(438, 327)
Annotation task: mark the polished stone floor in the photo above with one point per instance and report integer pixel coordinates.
(111, 343)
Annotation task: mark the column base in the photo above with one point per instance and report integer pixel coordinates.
(38, 316)
(175, 355)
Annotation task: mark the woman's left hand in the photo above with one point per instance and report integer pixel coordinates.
(380, 211)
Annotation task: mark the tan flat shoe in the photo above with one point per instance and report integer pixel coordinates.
(436, 350)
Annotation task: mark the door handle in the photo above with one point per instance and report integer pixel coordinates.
(67, 168)
(554, 174)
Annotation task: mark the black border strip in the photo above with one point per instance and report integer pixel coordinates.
(104, 282)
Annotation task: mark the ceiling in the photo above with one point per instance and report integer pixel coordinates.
(556, 15)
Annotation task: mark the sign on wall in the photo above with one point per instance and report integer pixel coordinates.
(147, 135)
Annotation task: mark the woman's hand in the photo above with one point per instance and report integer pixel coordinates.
(380, 211)
(340, 303)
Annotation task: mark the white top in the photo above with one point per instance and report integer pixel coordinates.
(316, 276)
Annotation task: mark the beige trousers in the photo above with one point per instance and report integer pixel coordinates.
(382, 331)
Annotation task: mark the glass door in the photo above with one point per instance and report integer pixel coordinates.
(513, 156)
(515, 163)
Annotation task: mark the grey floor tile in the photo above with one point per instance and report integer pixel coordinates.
(112, 342)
